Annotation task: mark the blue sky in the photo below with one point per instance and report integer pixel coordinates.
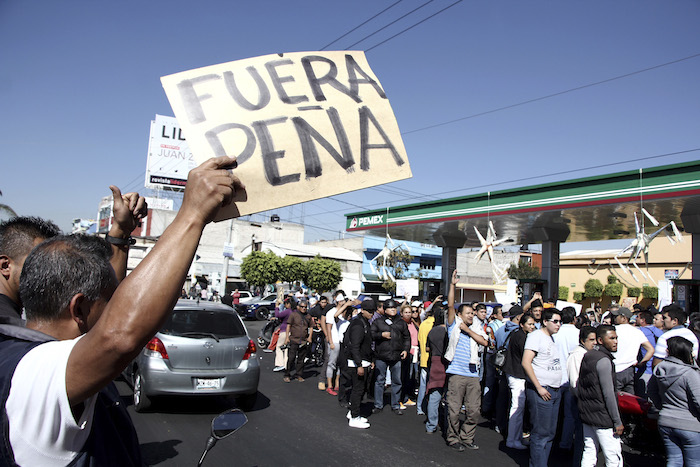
(80, 82)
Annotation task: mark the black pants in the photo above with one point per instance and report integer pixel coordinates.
(345, 380)
(296, 357)
(358, 390)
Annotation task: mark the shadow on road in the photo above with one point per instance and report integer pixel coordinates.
(161, 451)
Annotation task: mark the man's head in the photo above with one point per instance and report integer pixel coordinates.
(644, 318)
(339, 297)
(466, 313)
(302, 306)
(536, 310)
(515, 313)
(673, 316)
(587, 337)
(368, 308)
(480, 311)
(66, 282)
(323, 301)
(380, 308)
(390, 308)
(17, 238)
(659, 320)
(551, 320)
(497, 313)
(606, 337)
(622, 315)
(568, 315)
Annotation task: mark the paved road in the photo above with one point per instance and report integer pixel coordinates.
(295, 424)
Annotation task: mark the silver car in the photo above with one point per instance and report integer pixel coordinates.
(202, 349)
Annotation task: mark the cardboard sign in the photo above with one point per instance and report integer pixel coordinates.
(303, 126)
(407, 287)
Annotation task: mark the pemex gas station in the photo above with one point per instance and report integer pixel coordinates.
(604, 207)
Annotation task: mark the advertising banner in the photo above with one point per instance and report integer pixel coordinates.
(169, 156)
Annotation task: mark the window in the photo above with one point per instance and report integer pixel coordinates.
(427, 263)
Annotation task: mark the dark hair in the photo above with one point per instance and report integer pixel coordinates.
(525, 317)
(61, 267)
(536, 304)
(585, 332)
(646, 316)
(439, 315)
(603, 329)
(461, 308)
(675, 312)
(568, 314)
(681, 348)
(694, 319)
(479, 307)
(548, 313)
(17, 235)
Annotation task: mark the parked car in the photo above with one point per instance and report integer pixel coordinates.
(258, 308)
(246, 296)
(202, 349)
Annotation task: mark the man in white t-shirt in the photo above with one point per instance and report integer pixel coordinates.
(674, 323)
(83, 332)
(630, 340)
(543, 366)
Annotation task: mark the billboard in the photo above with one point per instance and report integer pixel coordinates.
(169, 156)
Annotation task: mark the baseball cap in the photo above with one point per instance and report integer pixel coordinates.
(369, 305)
(391, 303)
(624, 311)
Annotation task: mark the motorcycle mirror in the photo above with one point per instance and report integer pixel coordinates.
(227, 423)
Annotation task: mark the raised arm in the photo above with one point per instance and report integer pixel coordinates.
(142, 302)
(451, 298)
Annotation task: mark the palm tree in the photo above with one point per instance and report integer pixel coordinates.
(7, 209)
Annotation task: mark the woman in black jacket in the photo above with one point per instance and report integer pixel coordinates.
(513, 368)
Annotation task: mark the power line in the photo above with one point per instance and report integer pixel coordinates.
(393, 22)
(360, 25)
(411, 27)
(530, 101)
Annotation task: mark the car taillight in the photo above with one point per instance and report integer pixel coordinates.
(250, 350)
(155, 348)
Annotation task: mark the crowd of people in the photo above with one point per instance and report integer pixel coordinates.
(531, 371)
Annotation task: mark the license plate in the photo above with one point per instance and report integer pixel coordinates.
(203, 383)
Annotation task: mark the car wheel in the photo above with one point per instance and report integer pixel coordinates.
(247, 401)
(262, 313)
(141, 401)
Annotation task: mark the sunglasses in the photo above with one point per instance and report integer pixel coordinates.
(555, 321)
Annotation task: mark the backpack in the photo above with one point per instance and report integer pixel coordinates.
(498, 359)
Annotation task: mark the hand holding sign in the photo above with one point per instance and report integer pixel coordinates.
(302, 126)
(210, 187)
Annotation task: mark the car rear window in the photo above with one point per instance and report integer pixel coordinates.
(220, 323)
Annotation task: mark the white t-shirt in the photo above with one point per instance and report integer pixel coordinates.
(661, 350)
(629, 340)
(42, 428)
(547, 362)
(567, 340)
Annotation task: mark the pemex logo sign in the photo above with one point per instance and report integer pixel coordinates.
(366, 221)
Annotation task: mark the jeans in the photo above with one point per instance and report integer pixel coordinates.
(490, 385)
(381, 370)
(681, 446)
(502, 403)
(332, 358)
(421, 390)
(433, 409)
(544, 415)
(607, 441)
(517, 410)
(568, 425)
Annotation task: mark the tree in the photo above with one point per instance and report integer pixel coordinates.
(613, 288)
(593, 288)
(578, 296)
(292, 269)
(260, 268)
(398, 262)
(563, 292)
(634, 291)
(322, 274)
(523, 270)
(650, 292)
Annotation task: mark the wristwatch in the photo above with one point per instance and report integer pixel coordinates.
(120, 241)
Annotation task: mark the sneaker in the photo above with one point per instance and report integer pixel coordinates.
(457, 447)
(377, 409)
(278, 368)
(402, 406)
(300, 379)
(349, 417)
(286, 379)
(321, 386)
(497, 429)
(358, 423)
(268, 350)
(409, 403)
(331, 392)
(471, 446)
(516, 445)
